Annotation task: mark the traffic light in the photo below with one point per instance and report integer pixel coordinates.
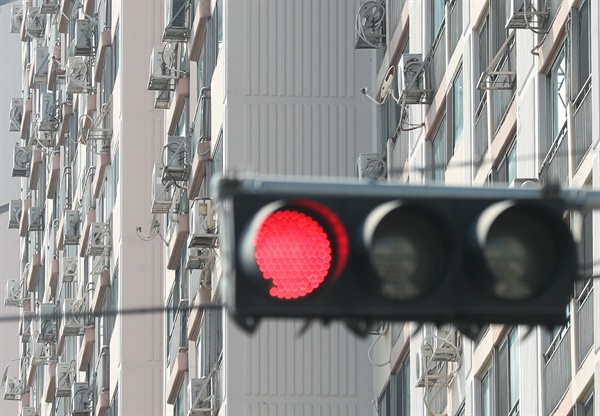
(369, 252)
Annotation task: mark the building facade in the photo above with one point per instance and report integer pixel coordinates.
(493, 93)
(118, 227)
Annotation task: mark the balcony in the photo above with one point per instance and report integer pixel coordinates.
(555, 167)
(585, 322)
(437, 63)
(582, 123)
(557, 371)
(480, 141)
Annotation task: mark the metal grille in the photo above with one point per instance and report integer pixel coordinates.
(480, 141)
(555, 167)
(437, 65)
(585, 323)
(557, 372)
(503, 97)
(582, 123)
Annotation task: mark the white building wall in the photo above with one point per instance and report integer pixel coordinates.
(292, 106)
(10, 87)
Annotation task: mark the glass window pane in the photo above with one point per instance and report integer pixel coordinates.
(440, 157)
(437, 16)
(458, 107)
(486, 395)
(511, 161)
(514, 367)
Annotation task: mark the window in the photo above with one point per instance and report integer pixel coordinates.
(456, 109)
(437, 17)
(484, 52)
(506, 170)
(455, 24)
(556, 82)
(440, 153)
(499, 385)
(395, 397)
(580, 49)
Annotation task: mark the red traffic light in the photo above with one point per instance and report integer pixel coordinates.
(298, 247)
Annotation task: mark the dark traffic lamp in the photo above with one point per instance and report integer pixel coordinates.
(363, 253)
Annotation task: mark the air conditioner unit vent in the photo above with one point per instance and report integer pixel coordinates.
(21, 159)
(16, 18)
(42, 353)
(47, 116)
(370, 167)
(64, 379)
(35, 26)
(82, 42)
(13, 389)
(49, 6)
(426, 369)
(71, 228)
(14, 294)
(29, 411)
(411, 80)
(16, 114)
(175, 159)
(15, 208)
(444, 344)
(177, 26)
(78, 76)
(68, 269)
(527, 183)
(163, 68)
(200, 399)
(36, 218)
(161, 195)
(46, 322)
(82, 399)
(73, 312)
(97, 239)
(199, 257)
(204, 228)
(523, 14)
(370, 25)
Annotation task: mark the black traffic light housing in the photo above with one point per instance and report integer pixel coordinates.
(466, 256)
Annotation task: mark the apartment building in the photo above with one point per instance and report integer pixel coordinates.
(127, 111)
(85, 133)
(491, 93)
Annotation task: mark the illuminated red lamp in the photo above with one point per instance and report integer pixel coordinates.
(298, 248)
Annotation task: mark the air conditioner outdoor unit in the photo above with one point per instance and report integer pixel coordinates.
(28, 411)
(13, 389)
(411, 80)
(163, 100)
(426, 369)
(16, 18)
(177, 27)
(47, 117)
(199, 397)
(42, 353)
(46, 323)
(522, 14)
(527, 183)
(14, 294)
(15, 208)
(68, 268)
(370, 167)
(73, 311)
(49, 6)
(96, 242)
(40, 69)
(71, 227)
(444, 344)
(161, 195)
(204, 229)
(370, 25)
(78, 75)
(45, 138)
(36, 23)
(82, 400)
(174, 159)
(81, 45)
(36, 218)
(64, 379)
(198, 257)
(16, 114)
(28, 318)
(163, 68)
(21, 159)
